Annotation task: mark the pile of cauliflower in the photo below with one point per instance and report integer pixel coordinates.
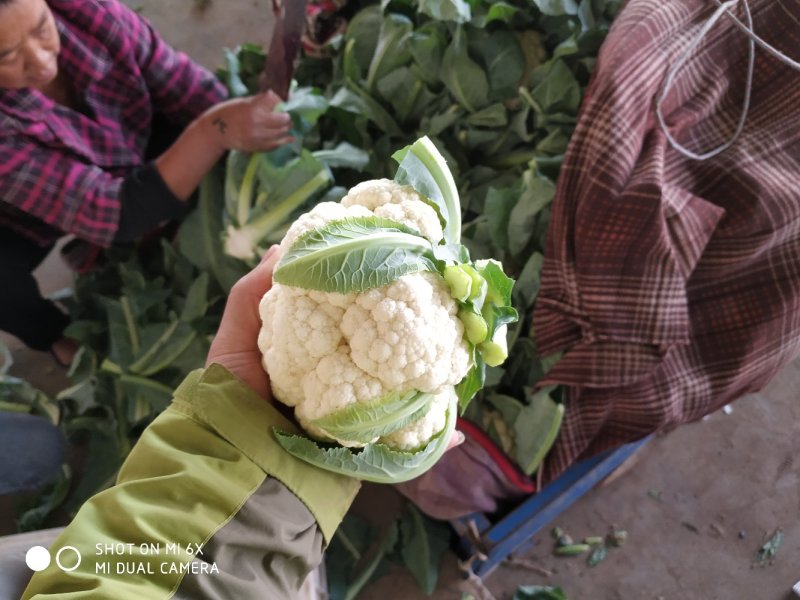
(327, 351)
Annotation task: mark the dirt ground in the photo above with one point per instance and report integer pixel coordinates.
(697, 504)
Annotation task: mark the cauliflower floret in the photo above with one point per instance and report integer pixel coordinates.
(308, 330)
(390, 200)
(418, 433)
(413, 330)
(325, 351)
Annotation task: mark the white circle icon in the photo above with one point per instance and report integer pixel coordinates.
(37, 558)
(58, 559)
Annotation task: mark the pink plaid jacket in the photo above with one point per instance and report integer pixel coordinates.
(673, 285)
(61, 170)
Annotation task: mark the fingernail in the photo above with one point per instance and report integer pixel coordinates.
(460, 438)
(272, 250)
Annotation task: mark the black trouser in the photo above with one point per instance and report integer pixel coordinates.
(23, 311)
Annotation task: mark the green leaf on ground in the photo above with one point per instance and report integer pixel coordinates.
(770, 548)
(539, 592)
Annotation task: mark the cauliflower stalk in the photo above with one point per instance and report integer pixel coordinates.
(260, 197)
(377, 326)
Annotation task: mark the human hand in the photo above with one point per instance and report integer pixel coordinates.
(250, 124)
(235, 346)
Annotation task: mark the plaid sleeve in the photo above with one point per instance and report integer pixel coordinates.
(625, 234)
(53, 186)
(180, 89)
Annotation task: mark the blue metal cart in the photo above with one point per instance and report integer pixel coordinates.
(488, 543)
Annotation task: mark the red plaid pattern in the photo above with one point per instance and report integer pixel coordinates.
(63, 168)
(672, 284)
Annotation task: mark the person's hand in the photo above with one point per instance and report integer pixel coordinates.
(250, 124)
(235, 346)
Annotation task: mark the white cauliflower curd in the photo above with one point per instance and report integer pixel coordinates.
(326, 351)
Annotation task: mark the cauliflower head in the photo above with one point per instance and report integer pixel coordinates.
(325, 351)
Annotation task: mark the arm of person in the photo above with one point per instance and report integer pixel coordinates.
(207, 505)
(54, 186)
(191, 96)
(95, 205)
(248, 124)
(76, 197)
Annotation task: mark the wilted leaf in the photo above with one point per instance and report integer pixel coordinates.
(597, 556)
(427, 44)
(536, 194)
(539, 592)
(503, 61)
(457, 11)
(465, 78)
(768, 551)
(557, 7)
(392, 50)
(423, 542)
(536, 428)
(363, 30)
(556, 89)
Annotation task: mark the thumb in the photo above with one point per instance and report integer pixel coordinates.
(258, 281)
(267, 264)
(271, 254)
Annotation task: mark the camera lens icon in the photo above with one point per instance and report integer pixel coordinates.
(38, 558)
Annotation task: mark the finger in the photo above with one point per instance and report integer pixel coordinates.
(273, 120)
(266, 145)
(269, 103)
(268, 134)
(241, 310)
(262, 135)
(270, 251)
(280, 142)
(272, 144)
(257, 282)
(261, 275)
(457, 439)
(269, 260)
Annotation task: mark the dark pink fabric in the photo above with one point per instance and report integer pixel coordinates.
(673, 285)
(473, 477)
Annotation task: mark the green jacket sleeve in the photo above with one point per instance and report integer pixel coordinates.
(207, 506)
